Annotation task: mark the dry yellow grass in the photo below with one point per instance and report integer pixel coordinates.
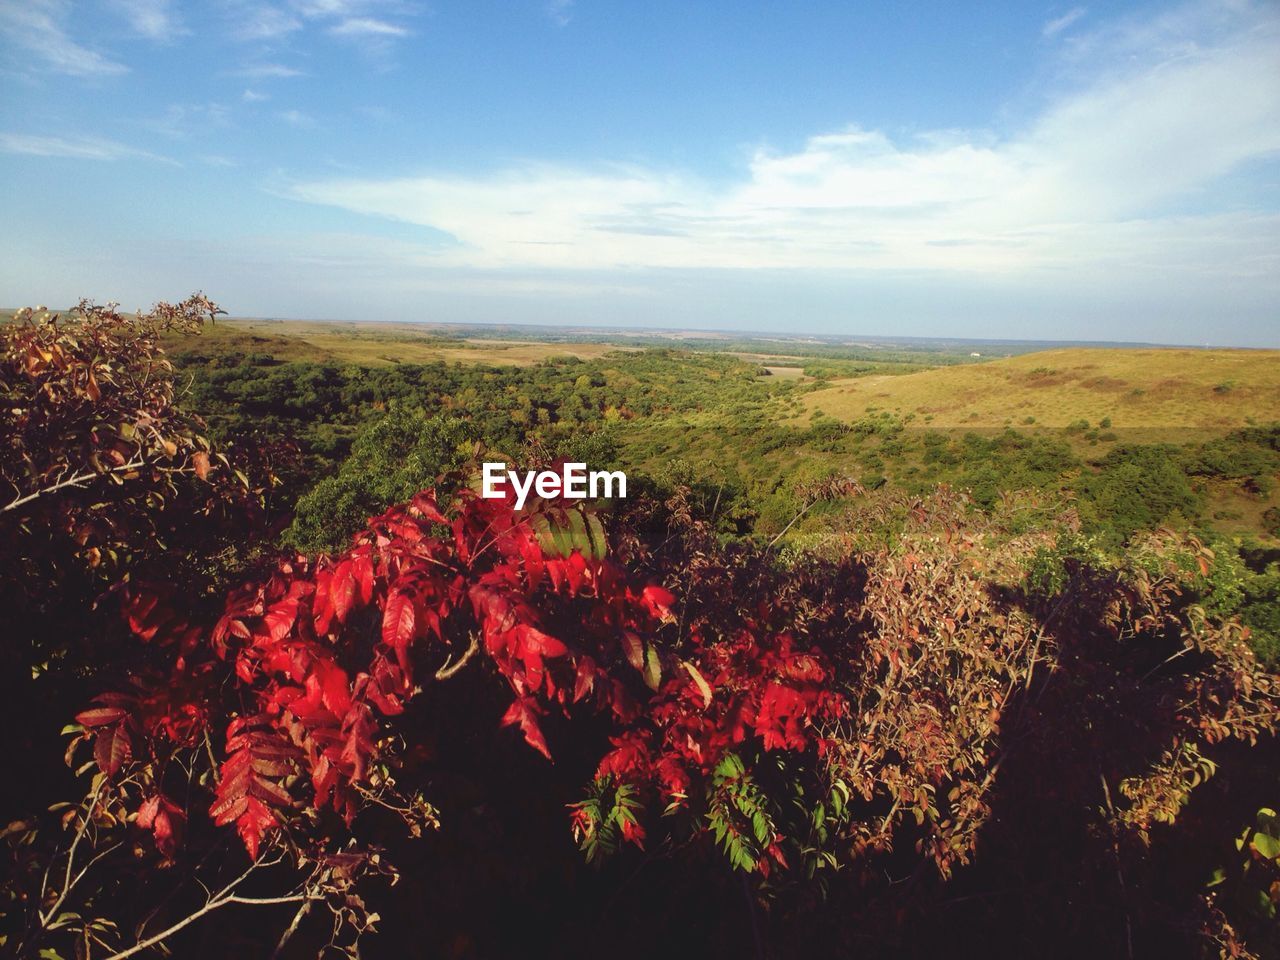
(518, 353)
(786, 373)
(381, 344)
(1163, 389)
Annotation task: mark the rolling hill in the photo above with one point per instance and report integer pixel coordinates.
(1141, 389)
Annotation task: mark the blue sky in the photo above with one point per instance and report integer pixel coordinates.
(1047, 171)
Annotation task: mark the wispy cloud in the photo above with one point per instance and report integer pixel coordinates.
(185, 120)
(367, 27)
(268, 71)
(1055, 26)
(154, 19)
(296, 118)
(253, 96)
(78, 148)
(257, 21)
(40, 28)
(372, 23)
(560, 11)
(1096, 179)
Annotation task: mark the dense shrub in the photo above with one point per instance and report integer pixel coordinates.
(1137, 488)
(392, 458)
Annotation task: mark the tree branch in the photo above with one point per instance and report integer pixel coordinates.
(448, 669)
(75, 480)
(219, 900)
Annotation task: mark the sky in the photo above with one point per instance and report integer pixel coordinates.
(1028, 170)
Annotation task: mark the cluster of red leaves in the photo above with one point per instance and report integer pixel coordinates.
(326, 653)
(731, 689)
(332, 650)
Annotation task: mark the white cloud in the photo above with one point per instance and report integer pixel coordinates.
(1096, 179)
(363, 21)
(268, 71)
(262, 21)
(1055, 26)
(367, 27)
(253, 96)
(333, 8)
(39, 27)
(153, 19)
(78, 148)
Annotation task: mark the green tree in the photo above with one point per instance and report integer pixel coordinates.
(391, 459)
(1137, 488)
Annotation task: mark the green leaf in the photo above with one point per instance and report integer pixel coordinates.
(599, 546)
(561, 534)
(542, 529)
(699, 681)
(1267, 845)
(652, 669)
(578, 535)
(1265, 906)
(760, 827)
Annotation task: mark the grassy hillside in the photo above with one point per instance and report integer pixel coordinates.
(1143, 389)
(372, 344)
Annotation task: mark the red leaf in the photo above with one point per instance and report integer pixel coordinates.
(112, 749)
(342, 590)
(253, 823)
(525, 711)
(633, 647)
(398, 620)
(100, 716)
(280, 619)
(363, 569)
(586, 678)
(165, 820)
(424, 504)
(535, 641)
(658, 600)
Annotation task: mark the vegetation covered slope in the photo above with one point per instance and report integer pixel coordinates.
(1149, 389)
(376, 344)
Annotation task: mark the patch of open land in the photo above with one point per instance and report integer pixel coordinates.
(1161, 389)
(376, 344)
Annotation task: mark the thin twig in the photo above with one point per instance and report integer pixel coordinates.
(67, 882)
(448, 669)
(75, 480)
(219, 900)
(291, 929)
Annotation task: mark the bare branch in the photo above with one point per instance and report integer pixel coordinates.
(448, 669)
